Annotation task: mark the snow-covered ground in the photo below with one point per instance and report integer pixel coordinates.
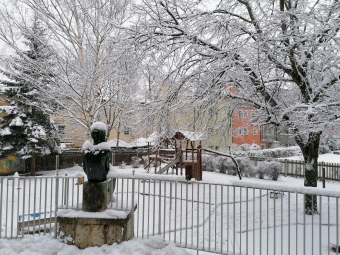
(45, 245)
(154, 245)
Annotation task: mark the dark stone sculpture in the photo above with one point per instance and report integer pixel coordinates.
(96, 156)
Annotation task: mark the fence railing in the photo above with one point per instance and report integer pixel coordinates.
(234, 218)
(296, 168)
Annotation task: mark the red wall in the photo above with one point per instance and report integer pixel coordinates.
(240, 122)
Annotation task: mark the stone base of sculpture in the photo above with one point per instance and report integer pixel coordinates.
(88, 232)
(96, 195)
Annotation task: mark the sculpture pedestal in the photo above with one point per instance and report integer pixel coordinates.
(78, 228)
(96, 195)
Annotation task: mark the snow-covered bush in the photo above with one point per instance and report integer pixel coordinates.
(245, 147)
(276, 144)
(272, 169)
(246, 166)
(145, 161)
(273, 153)
(222, 164)
(250, 147)
(208, 163)
(135, 162)
(261, 171)
(323, 149)
(275, 169)
(122, 165)
(226, 165)
(334, 144)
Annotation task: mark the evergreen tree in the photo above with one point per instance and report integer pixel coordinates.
(27, 128)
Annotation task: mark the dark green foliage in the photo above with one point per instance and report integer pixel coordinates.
(27, 127)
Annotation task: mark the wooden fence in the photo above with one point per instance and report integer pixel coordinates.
(70, 159)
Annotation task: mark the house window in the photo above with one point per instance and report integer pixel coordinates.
(126, 131)
(256, 130)
(242, 114)
(242, 131)
(61, 129)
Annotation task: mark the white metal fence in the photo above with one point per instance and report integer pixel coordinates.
(235, 218)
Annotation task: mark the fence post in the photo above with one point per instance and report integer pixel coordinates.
(56, 164)
(323, 178)
(56, 205)
(286, 167)
(113, 158)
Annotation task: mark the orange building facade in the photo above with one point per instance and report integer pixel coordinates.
(245, 133)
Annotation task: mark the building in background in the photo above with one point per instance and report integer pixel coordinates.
(243, 132)
(264, 136)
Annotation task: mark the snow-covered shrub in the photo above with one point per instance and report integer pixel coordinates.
(261, 171)
(334, 144)
(250, 147)
(208, 163)
(123, 165)
(272, 169)
(226, 165)
(222, 164)
(276, 144)
(245, 147)
(145, 161)
(274, 153)
(246, 166)
(323, 149)
(135, 162)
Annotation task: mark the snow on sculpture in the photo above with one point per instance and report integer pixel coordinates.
(96, 156)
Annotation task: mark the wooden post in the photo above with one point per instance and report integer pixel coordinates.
(32, 165)
(181, 157)
(323, 178)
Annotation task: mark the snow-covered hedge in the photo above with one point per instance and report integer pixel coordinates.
(281, 152)
(225, 165)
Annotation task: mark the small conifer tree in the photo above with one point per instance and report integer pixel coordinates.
(26, 128)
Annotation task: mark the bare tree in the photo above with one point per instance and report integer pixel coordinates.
(279, 57)
(93, 65)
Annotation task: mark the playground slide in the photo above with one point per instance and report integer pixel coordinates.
(170, 164)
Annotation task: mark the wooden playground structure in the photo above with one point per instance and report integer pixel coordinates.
(182, 155)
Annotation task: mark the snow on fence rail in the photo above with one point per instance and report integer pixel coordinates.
(226, 218)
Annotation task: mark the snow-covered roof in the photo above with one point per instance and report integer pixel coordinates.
(140, 142)
(121, 143)
(154, 137)
(193, 136)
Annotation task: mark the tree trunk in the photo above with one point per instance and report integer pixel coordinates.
(310, 152)
(32, 165)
